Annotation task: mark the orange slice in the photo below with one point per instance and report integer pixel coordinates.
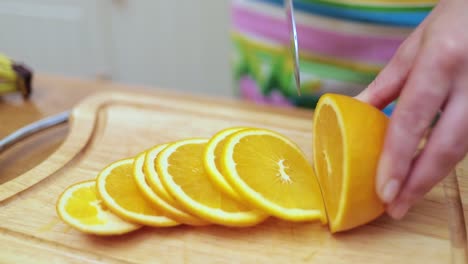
(142, 182)
(117, 188)
(80, 207)
(348, 138)
(212, 161)
(153, 177)
(180, 166)
(272, 173)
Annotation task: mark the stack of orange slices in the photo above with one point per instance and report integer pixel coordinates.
(239, 177)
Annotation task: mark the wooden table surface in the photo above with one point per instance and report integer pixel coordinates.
(54, 94)
(51, 95)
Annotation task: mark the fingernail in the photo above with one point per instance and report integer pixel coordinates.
(382, 180)
(390, 190)
(398, 211)
(361, 96)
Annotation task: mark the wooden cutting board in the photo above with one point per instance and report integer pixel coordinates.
(113, 125)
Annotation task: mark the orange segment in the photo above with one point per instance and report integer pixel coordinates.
(175, 213)
(80, 207)
(117, 187)
(348, 138)
(181, 169)
(272, 173)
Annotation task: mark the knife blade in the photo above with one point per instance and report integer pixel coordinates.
(288, 5)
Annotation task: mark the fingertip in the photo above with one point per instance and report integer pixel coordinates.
(398, 210)
(377, 95)
(363, 96)
(387, 186)
(390, 190)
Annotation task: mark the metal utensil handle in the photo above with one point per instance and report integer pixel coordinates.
(33, 128)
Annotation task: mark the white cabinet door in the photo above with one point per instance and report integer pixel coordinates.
(181, 44)
(56, 36)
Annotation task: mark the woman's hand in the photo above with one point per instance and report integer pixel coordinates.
(428, 73)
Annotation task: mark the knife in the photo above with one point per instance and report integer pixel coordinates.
(33, 128)
(288, 5)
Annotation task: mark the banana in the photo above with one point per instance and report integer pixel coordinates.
(14, 77)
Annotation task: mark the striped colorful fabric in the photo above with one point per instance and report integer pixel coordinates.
(397, 13)
(339, 52)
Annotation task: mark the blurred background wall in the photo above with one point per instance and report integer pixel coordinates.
(175, 44)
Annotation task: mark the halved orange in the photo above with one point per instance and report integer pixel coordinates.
(141, 178)
(80, 207)
(348, 139)
(117, 188)
(273, 175)
(181, 169)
